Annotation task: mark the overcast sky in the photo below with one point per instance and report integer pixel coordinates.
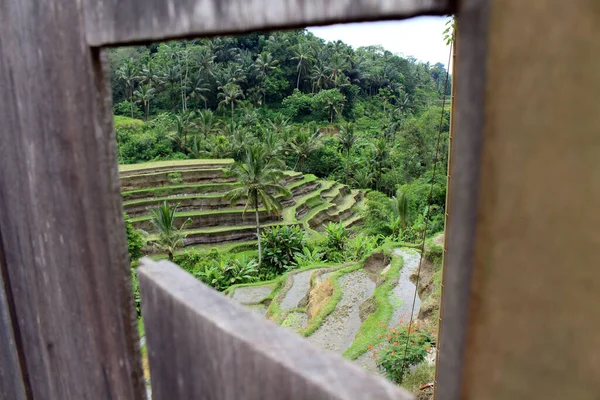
(420, 37)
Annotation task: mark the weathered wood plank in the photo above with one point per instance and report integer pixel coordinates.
(112, 22)
(11, 378)
(533, 328)
(535, 287)
(202, 345)
(463, 189)
(60, 213)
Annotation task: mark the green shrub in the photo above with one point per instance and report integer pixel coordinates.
(194, 261)
(174, 177)
(224, 273)
(422, 339)
(360, 245)
(135, 240)
(279, 245)
(308, 257)
(337, 235)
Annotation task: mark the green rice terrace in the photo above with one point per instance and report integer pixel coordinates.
(319, 273)
(198, 187)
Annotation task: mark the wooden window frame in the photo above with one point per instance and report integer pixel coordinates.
(79, 157)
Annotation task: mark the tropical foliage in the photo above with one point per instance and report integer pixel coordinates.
(170, 237)
(257, 184)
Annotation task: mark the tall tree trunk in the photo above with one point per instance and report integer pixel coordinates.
(298, 80)
(257, 228)
(331, 114)
(170, 254)
(131, 100)
(146, 108)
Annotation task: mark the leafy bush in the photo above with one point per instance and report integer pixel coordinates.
(360, 245)
(135, 240)
(279, 245)
(194, 260)
(337, 236)
(422, 339)
(325, 160)
(376, 214)
(223, 273)
(308, 257)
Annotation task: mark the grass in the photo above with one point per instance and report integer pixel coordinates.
(205, 171)
(423, 374)
(375, 325)
(122, 121)
(233, 247)
(172, 163)
(249, 214)
(169, 190)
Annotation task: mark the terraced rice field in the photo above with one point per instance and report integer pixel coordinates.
(198, 186)
(341, 308)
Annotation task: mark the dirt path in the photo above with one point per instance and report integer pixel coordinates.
(340, 327)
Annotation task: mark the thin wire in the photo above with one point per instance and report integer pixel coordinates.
(435, 162)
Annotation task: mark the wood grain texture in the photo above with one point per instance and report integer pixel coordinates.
(60, 216)
(533, 327)
(201, 345)
(12, 385)
(112, 22)
(463, 191)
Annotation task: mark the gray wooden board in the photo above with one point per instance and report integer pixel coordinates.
(112, 22)
(462, 203)
(60, 215)
(202, 345)
(11, 380)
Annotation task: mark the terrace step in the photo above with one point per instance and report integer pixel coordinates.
(138, 208)
(180, 165)
(167, 178)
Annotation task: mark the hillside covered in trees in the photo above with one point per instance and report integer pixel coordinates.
(366, 117)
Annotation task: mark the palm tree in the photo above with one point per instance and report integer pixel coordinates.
(199, 87)
(336, 70)
(319, 77)
(347, 138)
(206, 123)
(304, 55)
(145, 94)
(183, 124)
(257, 183)
(169, 237)
(150, 75)
(265, 63)
(231, 94)
(127, 73)
(303, 146)
(400, 211)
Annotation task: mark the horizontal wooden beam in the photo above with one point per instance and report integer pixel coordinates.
(201, 345)
(113, 22)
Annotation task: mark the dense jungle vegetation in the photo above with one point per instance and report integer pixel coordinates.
(366, 117)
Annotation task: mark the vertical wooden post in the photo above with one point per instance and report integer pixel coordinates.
(62, 234)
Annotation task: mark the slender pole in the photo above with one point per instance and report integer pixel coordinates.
(448, 186)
